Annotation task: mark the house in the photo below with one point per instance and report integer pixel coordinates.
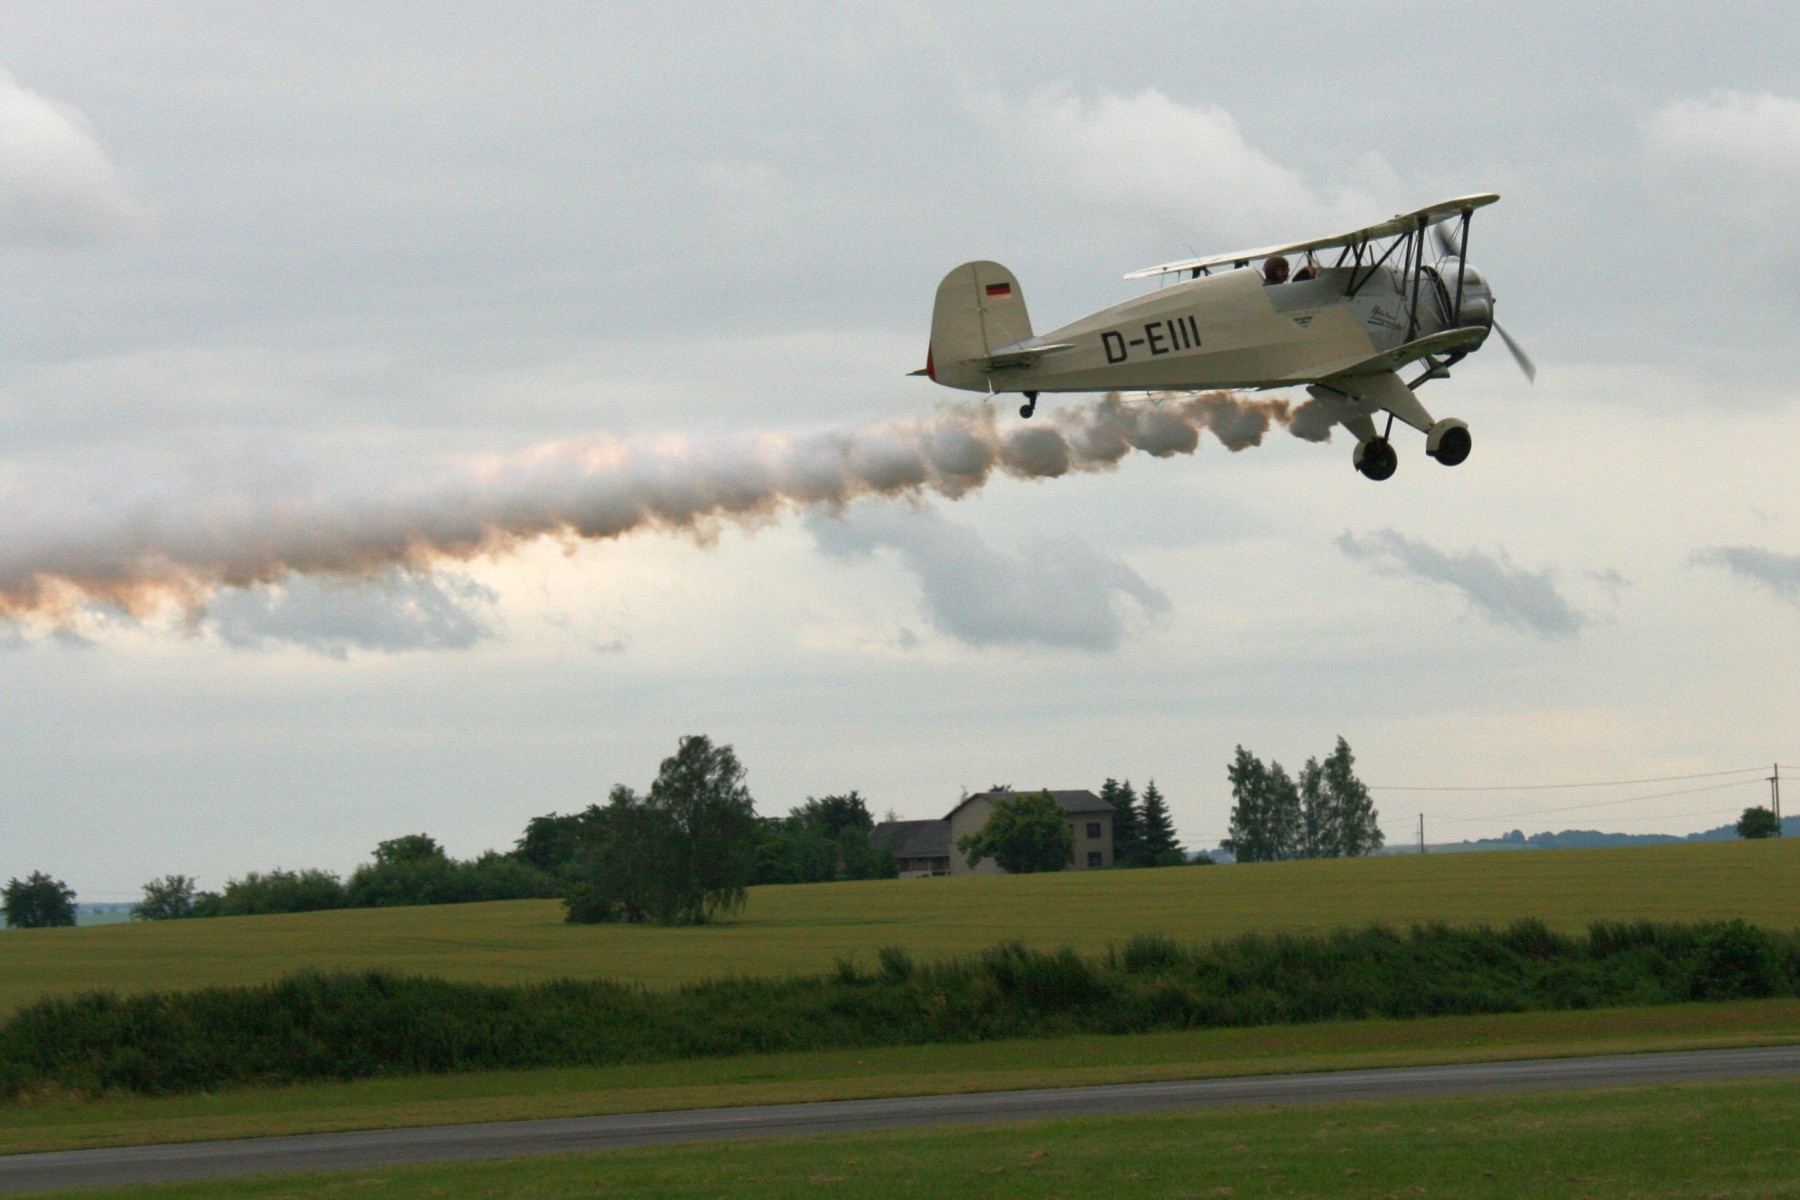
(929, 847)
(919, 848)
(1089, 816)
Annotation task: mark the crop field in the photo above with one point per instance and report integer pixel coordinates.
(1695, 1140)
(797, 929)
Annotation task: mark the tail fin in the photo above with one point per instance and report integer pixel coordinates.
(980, 309)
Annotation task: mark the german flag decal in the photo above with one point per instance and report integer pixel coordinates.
(999, 289)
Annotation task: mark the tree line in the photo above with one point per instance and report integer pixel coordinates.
(682, 852)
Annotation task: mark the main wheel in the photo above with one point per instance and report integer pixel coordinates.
(1378, 460)
(1453, 446)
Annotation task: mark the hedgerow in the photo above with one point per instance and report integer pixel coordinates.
(353, 1026)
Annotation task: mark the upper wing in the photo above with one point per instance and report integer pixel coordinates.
(1403, 223)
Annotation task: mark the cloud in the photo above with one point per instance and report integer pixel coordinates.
(1778, 572)
(1057, 592)
(392, 612)
(1731, 155)
(1188, 169)
(1499, 591)
(56, 183)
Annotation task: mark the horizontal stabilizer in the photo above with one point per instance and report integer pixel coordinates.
(1021, 355)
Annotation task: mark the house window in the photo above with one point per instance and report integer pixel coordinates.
(1093, 831)
(1094, 859)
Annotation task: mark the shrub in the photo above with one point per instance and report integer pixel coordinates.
(1737, 959)
(351, 1026)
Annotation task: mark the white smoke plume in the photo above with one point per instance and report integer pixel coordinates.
(149, 544)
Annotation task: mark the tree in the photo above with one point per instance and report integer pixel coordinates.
(1250, 837)
(1159, 847)
(1356, 824)
(38, 902)
(278, 891)
(552, 843)
(681, 855)
(1758, 823)
(1319, 836)
(1283, 811)
(1026, 832)
(165, 899)
(1326, 814)
(414, 847)
(835, 816)
(1126, 848)
(623, 872)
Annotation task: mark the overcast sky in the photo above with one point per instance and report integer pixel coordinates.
(255, 251)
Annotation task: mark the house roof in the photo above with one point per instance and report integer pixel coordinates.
(912, 839)
(1073, 801)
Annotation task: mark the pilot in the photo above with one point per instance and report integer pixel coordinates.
(1306, 271)
(1275, 269)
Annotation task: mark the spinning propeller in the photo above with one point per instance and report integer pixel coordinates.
(1450, 245)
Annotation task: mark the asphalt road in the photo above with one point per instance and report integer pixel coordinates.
(513, 1139)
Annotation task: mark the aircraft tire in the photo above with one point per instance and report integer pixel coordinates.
(1377, 459)
(1453, 446)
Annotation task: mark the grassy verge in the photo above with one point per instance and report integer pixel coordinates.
(800, 929)
(1720, 1140)
(50, 1123)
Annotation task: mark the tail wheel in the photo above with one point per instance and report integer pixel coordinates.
(1376, 459)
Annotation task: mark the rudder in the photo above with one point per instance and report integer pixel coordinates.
(980, 309)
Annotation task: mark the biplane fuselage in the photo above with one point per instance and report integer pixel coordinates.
(1227, 330)
(1344, 334)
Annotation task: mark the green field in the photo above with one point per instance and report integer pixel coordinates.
(1714, 1140)
(53, 1123)
(805, 928)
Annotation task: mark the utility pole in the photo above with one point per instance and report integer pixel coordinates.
(1775, 797)
(1421, 833)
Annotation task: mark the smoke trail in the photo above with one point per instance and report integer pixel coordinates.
(176, 543)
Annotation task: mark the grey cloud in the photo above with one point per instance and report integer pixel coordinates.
(56, 184)
(1504, 594)
(390, 613)
(1056, 592)
(1778, 572)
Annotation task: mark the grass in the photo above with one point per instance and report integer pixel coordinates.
(52, 1123)
(805, 928)
(1719, 1140)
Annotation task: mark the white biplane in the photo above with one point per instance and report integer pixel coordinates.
(1342, 325)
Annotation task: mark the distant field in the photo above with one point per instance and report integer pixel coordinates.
(805, 928)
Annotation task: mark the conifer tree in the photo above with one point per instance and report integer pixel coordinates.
(1158, 845)
(1126, 832)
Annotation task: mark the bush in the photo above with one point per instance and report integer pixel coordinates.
(1736, 960)
(354, 1026)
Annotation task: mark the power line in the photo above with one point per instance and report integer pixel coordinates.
(1553, 787)
(1538, 812)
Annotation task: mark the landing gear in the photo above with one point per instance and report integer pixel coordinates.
(1449, 442)
(1376, 459)
(1030, 405)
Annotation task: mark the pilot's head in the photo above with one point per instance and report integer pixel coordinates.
(1275, 269)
